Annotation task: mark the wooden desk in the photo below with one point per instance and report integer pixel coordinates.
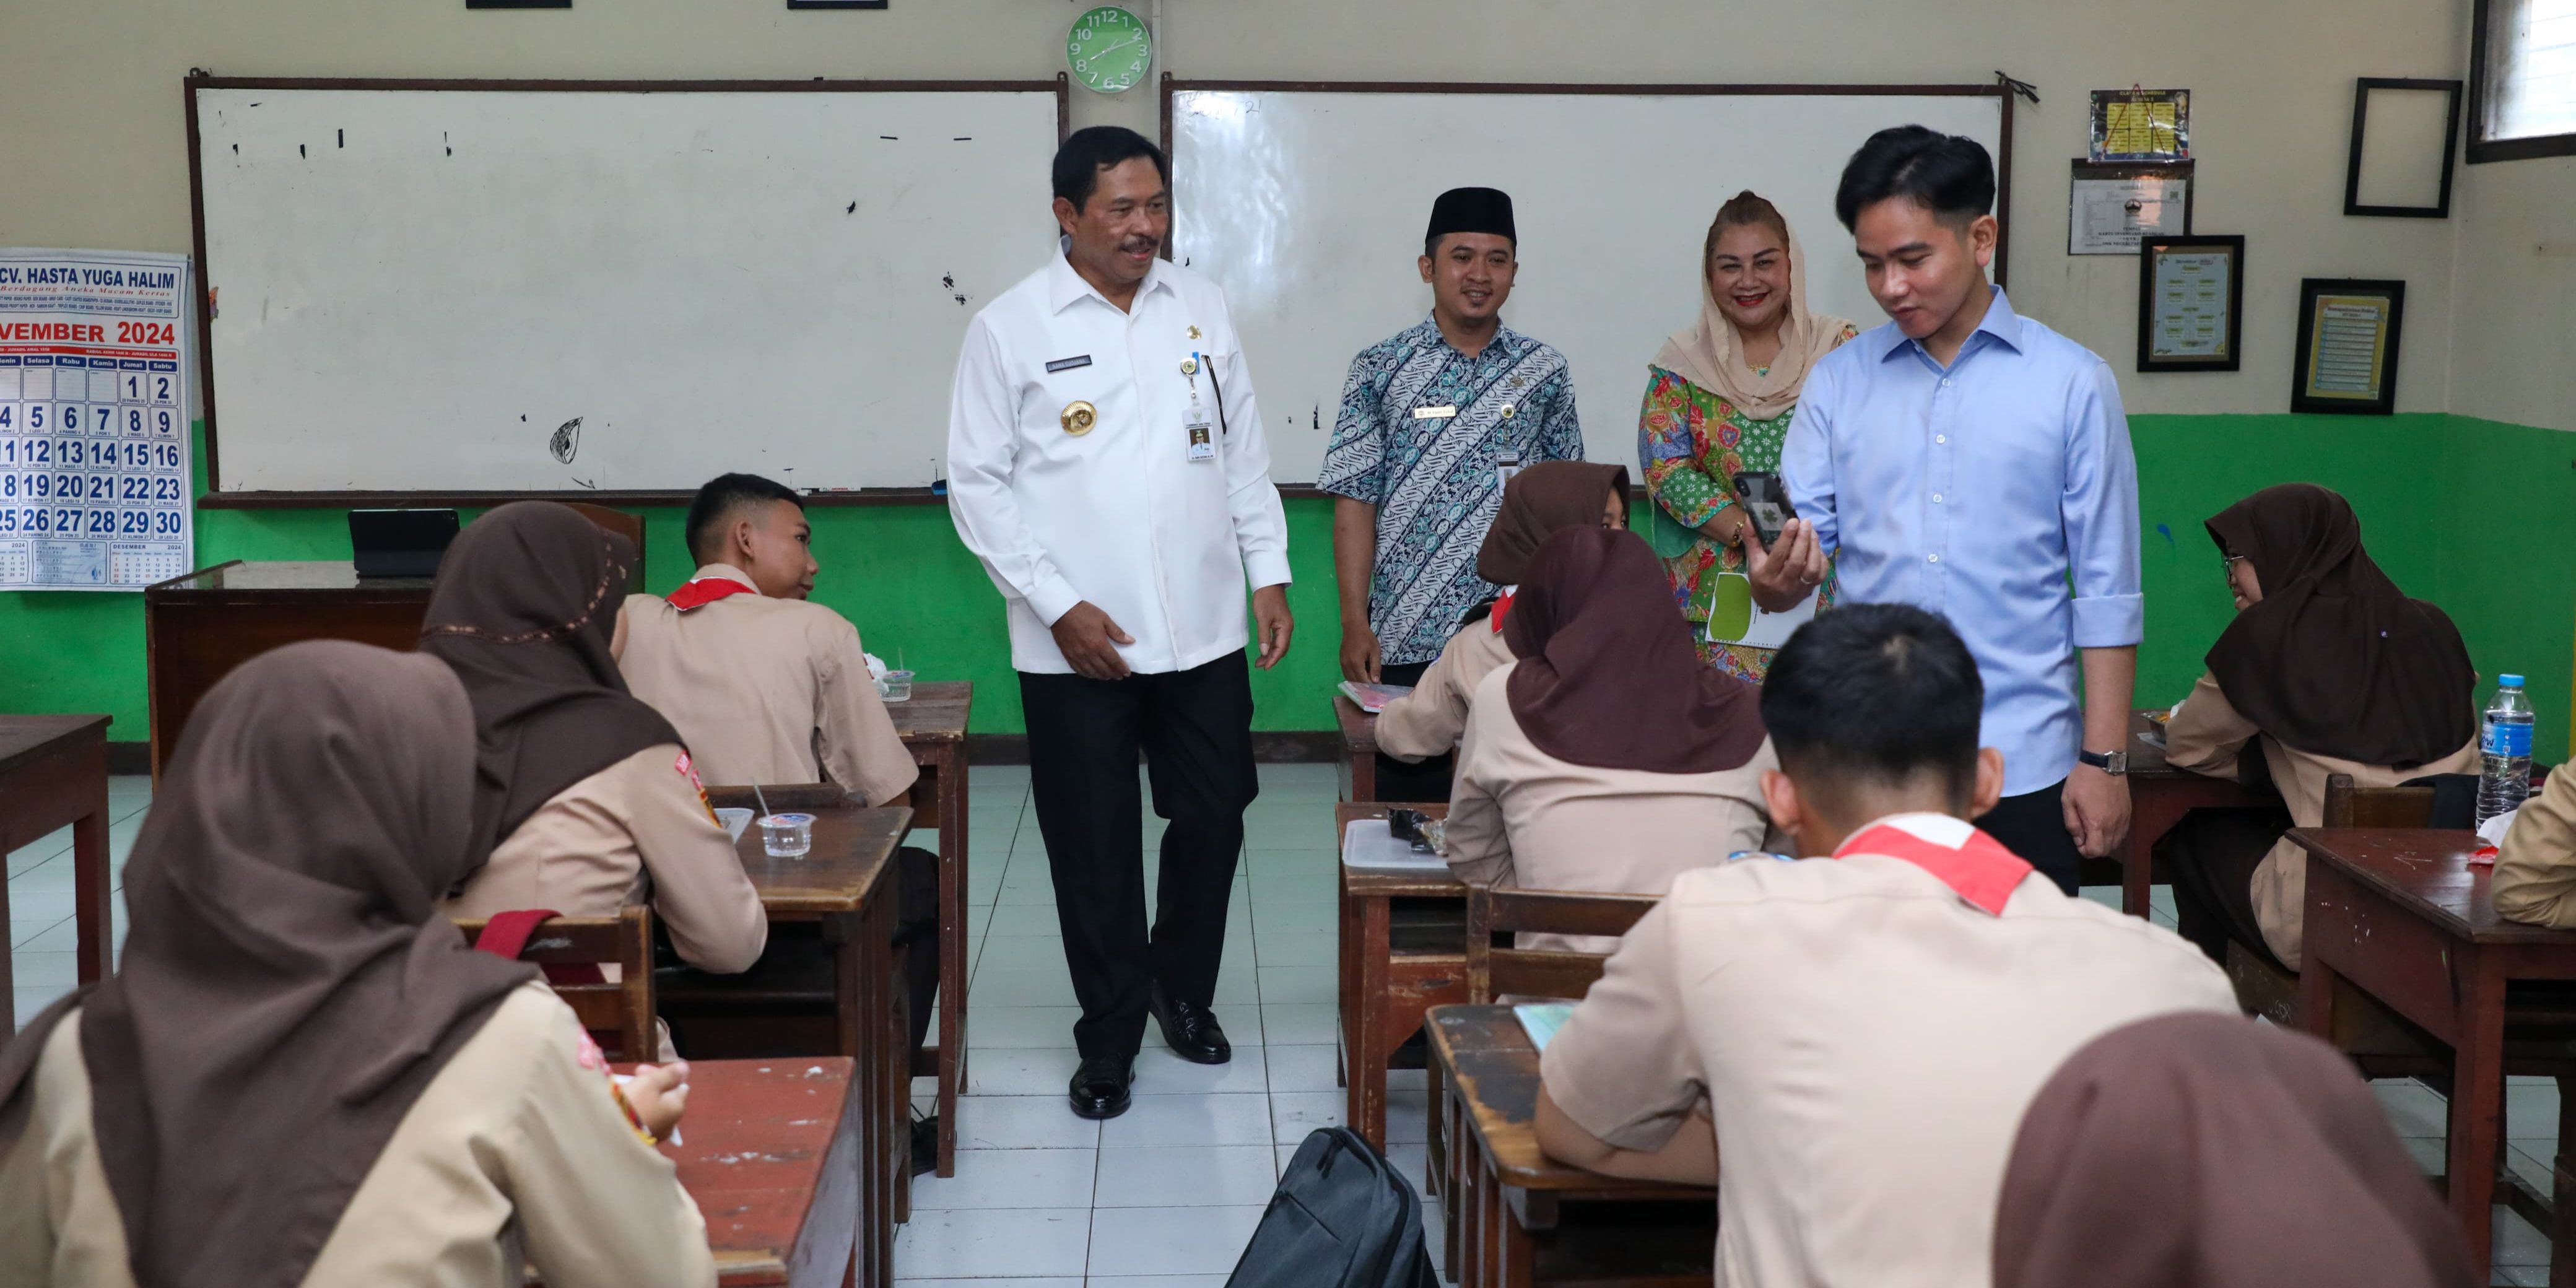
(53, 773)
(1504, 1203)
(1359, 749)
(2159, 796)
(1403, 951)
(770, 1149)
(933, 725)
(197, 628)
(2403, 916)
(843, 884)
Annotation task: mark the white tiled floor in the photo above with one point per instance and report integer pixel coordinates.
(1165, 1196)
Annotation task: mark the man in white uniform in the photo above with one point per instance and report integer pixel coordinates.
(1106, 463)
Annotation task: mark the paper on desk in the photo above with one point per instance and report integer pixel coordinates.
(1541, 1020)
(1367, 846)
(1373, 697)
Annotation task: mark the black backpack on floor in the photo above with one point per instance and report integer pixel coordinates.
(1343, 1217)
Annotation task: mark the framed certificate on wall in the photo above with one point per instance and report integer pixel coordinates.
(2191, 303)
(2347, 355)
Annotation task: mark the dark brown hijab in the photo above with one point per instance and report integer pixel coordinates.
(288, 989)
(1538, 501)
(2208, 1151)
(524, 610)
(1607, 675)
(2335, 660)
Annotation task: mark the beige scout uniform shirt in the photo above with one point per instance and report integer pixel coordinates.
(1521, 817)
(1428, 721)
(765, 691)
(513, 1155)
(1867, 1041)
(2207, 735)
(636, 830)
(2535, 875)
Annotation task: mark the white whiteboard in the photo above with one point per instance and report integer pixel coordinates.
(418, 288)
(1308, 207)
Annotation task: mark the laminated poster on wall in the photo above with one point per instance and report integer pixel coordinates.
(94, 403)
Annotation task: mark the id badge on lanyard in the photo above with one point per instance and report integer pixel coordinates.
(1202, 441)
(1507, 457)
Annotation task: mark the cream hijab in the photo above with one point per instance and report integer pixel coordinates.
(1711, 356)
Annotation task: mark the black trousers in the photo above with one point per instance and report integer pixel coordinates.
(1426, 780)
(2033, 825)
(1195, 730)
(2212, 855)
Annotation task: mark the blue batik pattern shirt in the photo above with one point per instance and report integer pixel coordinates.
(1433, 479)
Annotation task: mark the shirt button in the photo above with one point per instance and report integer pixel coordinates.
(1936, 498)
(1940, 438)
(1934, 558)
(1945, 382)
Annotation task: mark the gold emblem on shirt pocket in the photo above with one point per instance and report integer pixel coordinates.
(1079, 417)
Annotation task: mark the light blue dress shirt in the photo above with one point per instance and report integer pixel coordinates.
(1999, 492)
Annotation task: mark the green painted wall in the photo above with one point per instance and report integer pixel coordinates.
(2420, 483)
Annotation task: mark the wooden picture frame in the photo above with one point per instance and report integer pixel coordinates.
(2346, 361)
(2362, 89)
(2175, 282)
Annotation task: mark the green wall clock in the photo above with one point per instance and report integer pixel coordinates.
(1109, 49)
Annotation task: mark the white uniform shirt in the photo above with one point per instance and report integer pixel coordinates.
(1119, 516)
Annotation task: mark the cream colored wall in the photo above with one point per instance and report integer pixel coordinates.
(92, 140)
(2513, 347)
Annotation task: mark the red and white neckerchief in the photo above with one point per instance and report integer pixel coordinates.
(1502, 605)
(1951, 849)
(707, 590)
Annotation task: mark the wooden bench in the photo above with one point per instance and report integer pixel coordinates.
(1403, 951)
(619, 1014)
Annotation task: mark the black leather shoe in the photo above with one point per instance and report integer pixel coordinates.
(1190, 1030)
(1099, 1087)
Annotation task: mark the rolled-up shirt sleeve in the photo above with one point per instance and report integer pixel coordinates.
(1260, 524)
(983, 443)
(2100, 511)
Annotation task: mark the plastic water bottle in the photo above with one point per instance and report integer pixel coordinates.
(2504, 744)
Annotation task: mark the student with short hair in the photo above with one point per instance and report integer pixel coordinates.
(585, 798)
(1864, 1026)
(763, 684)
(300, 1073)
(1970, 461)
(1605, 756)
(1539, 502)
(2328, 668)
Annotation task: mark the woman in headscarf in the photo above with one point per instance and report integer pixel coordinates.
(300, 1073)
(1538, 502)
(2329, 669)
(584, 798)
(1604, 756)
(1719, 397)
(2209, 1151)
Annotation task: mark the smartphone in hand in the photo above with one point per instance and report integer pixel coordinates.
(1766, 502)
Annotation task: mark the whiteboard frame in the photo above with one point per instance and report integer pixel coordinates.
(2001, 90)
(215, 498)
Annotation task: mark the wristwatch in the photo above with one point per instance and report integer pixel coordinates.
(2114, 763)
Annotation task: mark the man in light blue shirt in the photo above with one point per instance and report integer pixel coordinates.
(1973, 462)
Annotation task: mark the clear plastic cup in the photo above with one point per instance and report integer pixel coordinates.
(896, 686)
(787, 836)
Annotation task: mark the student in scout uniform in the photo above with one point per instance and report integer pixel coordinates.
(2206, 1151)
(1108, 465)
(1434, 418)
(763, 685)
(1605, 756)
(1539, 501)
(584, 798)
(767, 687)
(1865, 1026)
(2535, 871)
(1970, 461)
(299, 1072)
(2328, 669)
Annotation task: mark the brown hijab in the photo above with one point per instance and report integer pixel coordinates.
(1607, 675)
(2335, 660)
(2208, 1151)
(1538, 501)
(524, 610)
(288, 989)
